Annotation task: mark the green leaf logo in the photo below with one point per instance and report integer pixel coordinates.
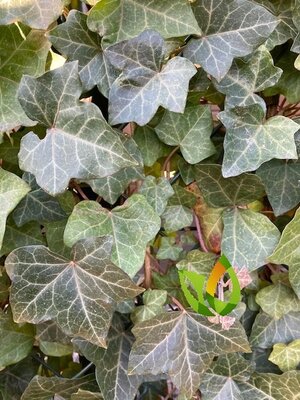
(198, 281)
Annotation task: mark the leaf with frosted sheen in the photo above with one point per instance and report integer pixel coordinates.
(281, 179)
(251, 141)
(157, 192)
(79, 143)
(168, 249)
(37, 205)
(86, 395)
(21, 52)
(12, 190)
(37, 14)
(169, 343)
(245, 25)
(218, 191)
(116, 20)
(176, 217)
(80, 294)
(153, 305)
(191, 131)
(145, 84)
(287, 357)
(198, 261)
(249, 238)
(277, 300)
(16, 341)
(267, 331)
(288, 251)
(132, 226)
(43, 388)
(248, 76)
(76, 42)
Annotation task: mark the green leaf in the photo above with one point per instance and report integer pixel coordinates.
(12, 190)
(288, 251)
(112, 186)
(136, 97)
(249, 238)
(73, 293)
(16, 340)
(76, 42)
(52, 341)
(198, 261)
(281, 180)
(75, 130)
(267, 331)
(116, 20)
(112, 364)
(224, 192)
(37, 205)
(153, 305)
(248, 76)
(36, 14)
(287, 357)
(55, 238)
(191, 131)
(42, 388)
(170, 283)
(169, 343)
(86, 395)
(132, 226)
(176, 217)
(231, 28)
(22, 52)
(251, 141)
(276, 387)
(277, 300)
(223, 379)
(168, 249)
(157, 192)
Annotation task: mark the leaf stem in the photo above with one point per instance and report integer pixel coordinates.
(147, 269)
(44, 364)
(167, 161)
(80, 191)
(199, 233)
(177, 302)
(83, 371)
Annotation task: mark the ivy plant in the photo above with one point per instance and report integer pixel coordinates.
(140, 138)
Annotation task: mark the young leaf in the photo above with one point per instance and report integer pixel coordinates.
(275, 387)
(287, 357)
(191, 131)
(249, 238)
(245, 25)
(169, 343)
(153, 305)
(73, 293)
(22, 52)
(137, 96)
(168, 249)
(132, 226)
(116, 20)
(74, 40)
(198, 261)
(157, 192)
(79, 143)
(250, 141)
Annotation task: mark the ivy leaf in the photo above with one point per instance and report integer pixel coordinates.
(76, 42)
(37, 205)
(169, 343)
(170, 283)
(223, 379)
(218, 191)
(52, 341)
(36, 14)
(55, 238)
(12, 190)
(112, 363)
(43, 388)
(281, 180)
(248, 76)
(16, 340)
(136, 97)
(116, 20)
(287, 357)
(73, 293)
(191, 131)
(86, 395)
(76, 131)
(288, 251)
(198, 261)
(249, 238)
(267, 331)
(276, 387)
(168, 249)
(277, 300)
(157, 192)
(132, 226)
(250, 141)
(112, 186)
(22, 52)
(153, 305)
(245, 26)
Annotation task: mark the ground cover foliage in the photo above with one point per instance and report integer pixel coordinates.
(139, 138)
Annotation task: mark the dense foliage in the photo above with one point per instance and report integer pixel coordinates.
(138, 138)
